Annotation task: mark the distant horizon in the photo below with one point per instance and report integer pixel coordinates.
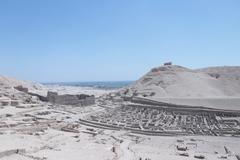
(94, 81)
(129, 80)
(108, 85)
(86, 82)
(50, 41)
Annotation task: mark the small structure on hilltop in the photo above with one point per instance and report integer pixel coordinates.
(67, 99)
(167, 64)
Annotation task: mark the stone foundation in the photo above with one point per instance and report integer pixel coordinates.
(67, 99)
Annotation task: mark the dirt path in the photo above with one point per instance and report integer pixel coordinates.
(126, 152)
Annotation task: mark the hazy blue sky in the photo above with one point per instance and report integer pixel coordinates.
(95, 40)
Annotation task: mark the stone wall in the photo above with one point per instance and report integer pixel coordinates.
(181, 108)
(21, 88)
(67, 99)
(11, 152)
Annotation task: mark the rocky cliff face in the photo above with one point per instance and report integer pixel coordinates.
(178, 81)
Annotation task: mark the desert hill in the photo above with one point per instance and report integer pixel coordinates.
(7, 89)
(180, 82)
(226, 74)
(12, 82)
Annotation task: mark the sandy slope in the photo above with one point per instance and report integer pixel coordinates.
(39, 131)
(177, 81)
(12, 82)
(225, 103)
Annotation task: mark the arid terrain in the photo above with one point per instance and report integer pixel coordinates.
(171, 113)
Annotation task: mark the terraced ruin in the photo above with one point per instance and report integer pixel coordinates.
(166, 120)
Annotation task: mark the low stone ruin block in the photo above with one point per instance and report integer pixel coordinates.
(21, 89)
(11, 152)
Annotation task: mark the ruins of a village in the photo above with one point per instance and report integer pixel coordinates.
(119, 79)
(48, 122)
